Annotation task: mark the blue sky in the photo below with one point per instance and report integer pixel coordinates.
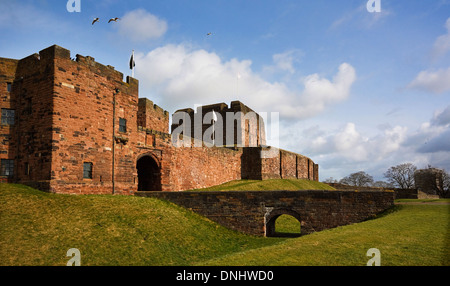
(355, 91)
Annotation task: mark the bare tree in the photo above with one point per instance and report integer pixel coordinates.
(330, 180)
(359, 179)
(382, 184)
(401, 176)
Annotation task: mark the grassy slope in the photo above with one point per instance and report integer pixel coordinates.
(38, 228)
(275, 184)
(411, 235)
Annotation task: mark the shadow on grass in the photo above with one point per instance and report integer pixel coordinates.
(391, 210)
(286, 234)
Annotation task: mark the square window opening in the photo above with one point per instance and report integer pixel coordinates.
(122, 125)
(7, 168)
(8, 116)
(87, 170)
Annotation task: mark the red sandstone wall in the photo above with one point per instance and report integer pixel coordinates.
(153, 117)
(29, 139)
(8, 69)
(194, 168)
(83, 119)
(65, 117)
(287, 165)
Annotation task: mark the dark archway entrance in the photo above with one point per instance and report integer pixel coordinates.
(149, 175)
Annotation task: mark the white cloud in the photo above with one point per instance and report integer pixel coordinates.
(437, 81)
(440, 143)
(442, 43)
(346, 149)
(185, 76)
(140, 25)
(320, 92)
(284, 62)
(350, 144)
(442, 118)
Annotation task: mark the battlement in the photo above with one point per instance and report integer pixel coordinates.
(152, 116)
(72, 125)
(148, 105)
(247, 130)
(42, 63)
(235, 106)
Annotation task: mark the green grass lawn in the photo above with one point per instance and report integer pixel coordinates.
(38, 228)
(269, 185)
(410, 235)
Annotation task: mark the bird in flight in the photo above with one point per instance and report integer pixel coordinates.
(95, 20)
(209, 34)
(113, 19)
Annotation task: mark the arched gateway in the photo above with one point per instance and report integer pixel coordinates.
(149, 174)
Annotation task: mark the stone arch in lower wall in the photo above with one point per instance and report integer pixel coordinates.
(149, 173)
(255, 212)
(272, 214)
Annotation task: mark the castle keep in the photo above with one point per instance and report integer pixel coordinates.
(74, 126)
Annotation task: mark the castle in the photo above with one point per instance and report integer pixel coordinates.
(74, 126)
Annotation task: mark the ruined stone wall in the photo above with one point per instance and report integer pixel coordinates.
(255, 212)
(429, 181)
(248, 126)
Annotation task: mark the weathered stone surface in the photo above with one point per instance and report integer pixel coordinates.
(429, 182)
(255, 212)
(69, 111)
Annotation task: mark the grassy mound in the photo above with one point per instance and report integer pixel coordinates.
(269, 185)
(409, 235)
(38, 228)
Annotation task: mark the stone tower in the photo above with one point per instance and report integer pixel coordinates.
(429, 181)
